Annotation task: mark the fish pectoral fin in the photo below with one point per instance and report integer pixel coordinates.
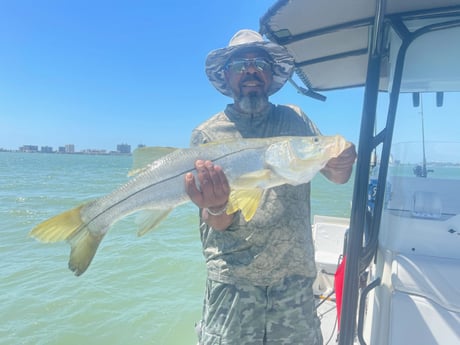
(144, 156)
(246, 200)
(247, 193)
(69, 226)
(147, 220)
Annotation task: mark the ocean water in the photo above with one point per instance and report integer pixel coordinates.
(138, 290)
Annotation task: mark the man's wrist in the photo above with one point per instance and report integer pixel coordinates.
(217, 211)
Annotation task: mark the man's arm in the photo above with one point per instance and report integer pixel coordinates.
(339, 169)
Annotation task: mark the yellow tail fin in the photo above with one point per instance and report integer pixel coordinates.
(60, 227)
(68, 226)
(84, 245)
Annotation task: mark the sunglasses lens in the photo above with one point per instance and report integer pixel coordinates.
(262, 64)
(239, 66)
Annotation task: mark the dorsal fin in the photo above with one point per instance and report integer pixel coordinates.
(144, 156)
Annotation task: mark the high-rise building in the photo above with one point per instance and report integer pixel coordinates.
(124, 148)
(46, 149)
(29, 148)
(70, 148)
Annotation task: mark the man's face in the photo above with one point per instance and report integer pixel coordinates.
(249, 75)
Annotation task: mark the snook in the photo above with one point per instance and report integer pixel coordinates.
(251, 166)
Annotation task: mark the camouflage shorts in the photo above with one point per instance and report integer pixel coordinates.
(247, 315)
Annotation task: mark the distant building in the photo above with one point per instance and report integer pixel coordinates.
(94, 152)
(61, 149)
(124, 148)
(46, 149)
(70, 148)
(29, 148)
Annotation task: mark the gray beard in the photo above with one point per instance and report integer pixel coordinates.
(252, 103)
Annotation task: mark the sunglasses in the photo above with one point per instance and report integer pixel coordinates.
(240, 65)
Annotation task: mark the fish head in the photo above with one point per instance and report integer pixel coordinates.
(297, 159)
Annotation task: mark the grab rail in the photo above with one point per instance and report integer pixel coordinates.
(362, 308)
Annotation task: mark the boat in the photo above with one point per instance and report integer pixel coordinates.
(401, 276)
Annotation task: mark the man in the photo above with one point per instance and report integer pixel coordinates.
(260, 273)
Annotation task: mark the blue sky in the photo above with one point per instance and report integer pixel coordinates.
(99, 73)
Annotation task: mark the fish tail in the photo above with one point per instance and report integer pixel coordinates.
(69, 226)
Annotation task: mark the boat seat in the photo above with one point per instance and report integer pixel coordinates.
(425, 303)
(435, 278)
(417, 320)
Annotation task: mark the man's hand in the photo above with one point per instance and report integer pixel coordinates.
(212, 194)
(339, 169)
(214, 189)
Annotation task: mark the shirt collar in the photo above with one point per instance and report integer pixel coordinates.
(233, 113)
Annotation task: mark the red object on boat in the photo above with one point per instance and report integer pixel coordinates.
(338, 285)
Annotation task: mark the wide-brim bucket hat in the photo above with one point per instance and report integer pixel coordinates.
(282, 60)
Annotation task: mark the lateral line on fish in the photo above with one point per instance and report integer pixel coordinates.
(167, 179)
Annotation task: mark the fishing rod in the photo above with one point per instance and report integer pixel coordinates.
(421, 171)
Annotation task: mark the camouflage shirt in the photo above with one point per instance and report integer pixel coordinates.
(277, 242)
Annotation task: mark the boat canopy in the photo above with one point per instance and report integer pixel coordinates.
(382, 45)
(330, 41)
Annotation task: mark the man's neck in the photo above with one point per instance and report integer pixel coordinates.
(251, 110)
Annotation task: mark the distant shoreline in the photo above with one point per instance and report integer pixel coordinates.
(121, 150)
(90, 153)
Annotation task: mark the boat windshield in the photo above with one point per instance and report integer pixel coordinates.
(426, 143)
(423, 179)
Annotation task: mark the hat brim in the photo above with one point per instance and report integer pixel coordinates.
(283, 65)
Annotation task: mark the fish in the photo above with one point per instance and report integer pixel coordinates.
(157, 186)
